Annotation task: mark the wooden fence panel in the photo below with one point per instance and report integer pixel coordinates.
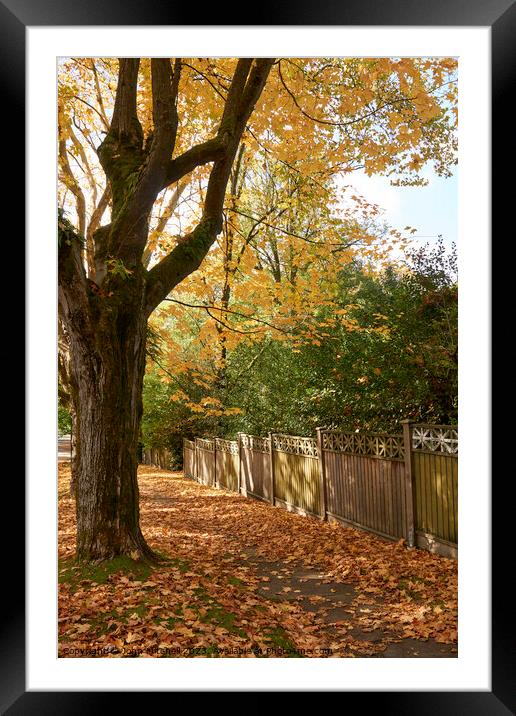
(436, 478)
(435, 467)
(158, 457)
(296, 474)
(227, 463)
(189, 458)
(205, 461)
(256, 478)
(365, 481)
(367, 491)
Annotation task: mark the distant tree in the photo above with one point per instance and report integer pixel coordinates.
(384, 351)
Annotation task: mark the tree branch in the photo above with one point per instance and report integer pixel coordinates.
(152, 175)
(205, 77)
(223, 309)
(164, 113)
(243, 93)
(102, 110)
(247, 84)
(71, 182)
(125, 123)
(194, 157)
(93, 225)
(242, 97)
(72, 282)
(162, 221)
(184, 258)
(136, 174)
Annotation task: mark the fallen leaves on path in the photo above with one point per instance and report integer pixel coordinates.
(231, 587)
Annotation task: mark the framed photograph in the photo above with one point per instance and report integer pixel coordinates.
(54, 54)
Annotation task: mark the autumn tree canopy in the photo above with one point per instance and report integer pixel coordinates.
(318, 118)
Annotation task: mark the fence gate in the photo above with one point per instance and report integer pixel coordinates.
(366, 481)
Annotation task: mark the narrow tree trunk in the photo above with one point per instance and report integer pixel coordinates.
(73, 451)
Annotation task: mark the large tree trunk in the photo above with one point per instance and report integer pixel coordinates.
(108, 371)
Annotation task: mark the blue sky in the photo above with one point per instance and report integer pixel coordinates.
(430, 209)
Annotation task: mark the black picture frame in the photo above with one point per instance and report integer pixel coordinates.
(500, 16)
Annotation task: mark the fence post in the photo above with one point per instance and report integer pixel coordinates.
(409, 483)
(196, 462)
(239, 440)
(215, 462)
(271, 441)
(243, 482)
(322, 474)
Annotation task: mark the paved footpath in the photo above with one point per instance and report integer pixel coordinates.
(331, 602)
(64, 446)
(335, 604)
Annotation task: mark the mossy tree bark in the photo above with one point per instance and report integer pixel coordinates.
(106, 318)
